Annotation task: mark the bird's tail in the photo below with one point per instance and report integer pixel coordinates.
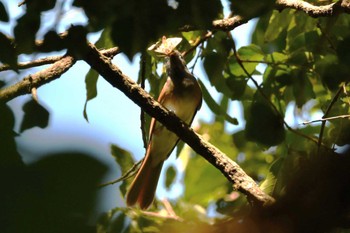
(143, 187)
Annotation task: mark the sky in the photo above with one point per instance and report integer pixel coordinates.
(113, 118)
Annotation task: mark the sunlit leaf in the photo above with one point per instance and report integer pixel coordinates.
(91, 89)
(105, 40)
(268, 185)
(125, 162)
(92, 76)
(204, 184)
(250, 56)
(193, 36)
(279, 22)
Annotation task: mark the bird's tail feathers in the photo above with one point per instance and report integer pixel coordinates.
(143, 188)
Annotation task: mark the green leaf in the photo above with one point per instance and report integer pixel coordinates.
(269, 184)
(237, 86)
(125, 162)
(105, 40)
(250, 55)
(193, 36)
(302, 88)
(92, 76)
(278, 23)
(302, 30)
(239, 139)
(214, 106)
(282, 75)
(170, 176)
(34, 115)
(276, 57)
(8, 53)
(343, 49)
(91, 89)
(264, 125)
(3, 14)
(251, 8)
(203, 182)
(341, 133)
(214, 64)
(220, 43)
(334, 75)
(300, 58)
(252, 52)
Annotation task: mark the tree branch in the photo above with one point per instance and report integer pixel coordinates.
(341, 6)
(38, 79)
(231, 170)
(31, 64)
(327, 119)
(323, 125)
(44, 76)
(229, 23)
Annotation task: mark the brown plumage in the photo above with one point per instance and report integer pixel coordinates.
(182, 95)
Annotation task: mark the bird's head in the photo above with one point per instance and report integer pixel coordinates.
(176, 65)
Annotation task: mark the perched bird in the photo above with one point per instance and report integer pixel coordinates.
(182, 95)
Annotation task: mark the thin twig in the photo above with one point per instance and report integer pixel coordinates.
(323, 125)
(21, 3)
(44, 76)
(169, 208)
(327, 119)
(142, 113)
(31, 64)
(130, 173)
(162, 215)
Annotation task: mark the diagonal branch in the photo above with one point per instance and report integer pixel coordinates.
(231, 170)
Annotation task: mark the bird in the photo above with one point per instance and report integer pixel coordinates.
(182, 95)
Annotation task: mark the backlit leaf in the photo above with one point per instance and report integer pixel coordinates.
(34, 115)
(264, 125)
